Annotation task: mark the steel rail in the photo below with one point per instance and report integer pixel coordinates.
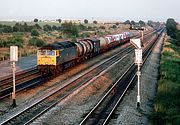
(89, 117)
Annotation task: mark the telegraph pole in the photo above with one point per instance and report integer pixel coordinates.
(13, 59)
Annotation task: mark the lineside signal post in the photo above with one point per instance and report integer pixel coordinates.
(139, 29)
(13, 59)
(138, 61)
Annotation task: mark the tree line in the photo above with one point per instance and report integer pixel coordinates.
(172, 31)
(141, 23)
(70, 29)
(18, 28)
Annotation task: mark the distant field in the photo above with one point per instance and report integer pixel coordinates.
(12, 23)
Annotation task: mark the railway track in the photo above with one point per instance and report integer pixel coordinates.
(100, 114)
(19, 78)
(41, 106)
(19, 73)
(29, 77)
(33, 111)
(23, 80)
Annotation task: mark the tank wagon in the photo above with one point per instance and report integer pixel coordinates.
(54, 58)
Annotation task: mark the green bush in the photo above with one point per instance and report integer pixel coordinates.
(17, 41)
(7, 29)
(14, 41)
(36, 42)
(34, 32)
(70, 29)
(47, 28)
(82, 27)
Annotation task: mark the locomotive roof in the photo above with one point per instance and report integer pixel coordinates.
(59, 45)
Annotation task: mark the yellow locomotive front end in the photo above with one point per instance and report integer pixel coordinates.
(46, 57)
(46, 60)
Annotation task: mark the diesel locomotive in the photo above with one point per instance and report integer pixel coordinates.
(54, 58)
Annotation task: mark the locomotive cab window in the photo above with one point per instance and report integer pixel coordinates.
(50, 52)
(42, 52)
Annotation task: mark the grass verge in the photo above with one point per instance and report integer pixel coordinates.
(167, 101)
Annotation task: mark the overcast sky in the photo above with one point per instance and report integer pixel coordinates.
(156, 10)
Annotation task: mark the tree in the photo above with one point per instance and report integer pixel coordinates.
(15, 40)
(150, 23)
(133, 22)
(54, 27)
(16, 27)
(37, 26)
(34, 32)
(20, 28)
(142, 23)
(47, 27)
(70, 28)
(35, 20)
(1, 30)
(114, 26)
(59, 20)
(171, 27)
(7, 29)
(86, 21)
(117, 23)
(177, 42)
(26, 27)
(95, 22)
(127, 22)
(82, 27)
(36, 42)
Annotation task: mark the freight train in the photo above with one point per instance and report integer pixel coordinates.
(54, 58)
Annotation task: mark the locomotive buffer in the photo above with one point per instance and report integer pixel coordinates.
(138, 61)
